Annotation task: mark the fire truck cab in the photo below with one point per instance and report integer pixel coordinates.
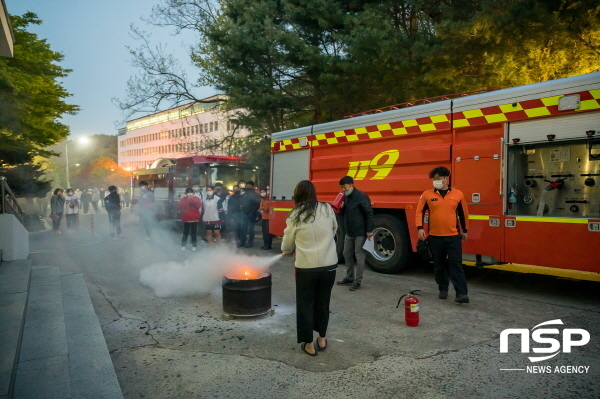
(170, 177)
(526, 158)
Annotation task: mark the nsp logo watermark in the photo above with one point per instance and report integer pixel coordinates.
(571, 337)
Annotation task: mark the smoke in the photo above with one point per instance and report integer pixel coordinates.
(203, 271)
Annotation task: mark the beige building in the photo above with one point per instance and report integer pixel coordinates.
(191, 129)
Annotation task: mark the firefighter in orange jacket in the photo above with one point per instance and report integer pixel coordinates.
(448, 224)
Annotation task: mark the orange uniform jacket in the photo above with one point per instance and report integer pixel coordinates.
(264, 207)
(445, 213)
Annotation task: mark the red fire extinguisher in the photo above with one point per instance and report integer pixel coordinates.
(337, 202)
(411, 308)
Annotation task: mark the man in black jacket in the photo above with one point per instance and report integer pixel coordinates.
(250, 202)
(234, 213)
(357, 216)
(112, 204)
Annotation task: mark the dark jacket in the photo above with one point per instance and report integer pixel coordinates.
(112, 202)
(250, 202)
(357, 214)
(234, 205)
(57, 204)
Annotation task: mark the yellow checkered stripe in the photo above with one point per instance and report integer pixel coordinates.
(589, 100)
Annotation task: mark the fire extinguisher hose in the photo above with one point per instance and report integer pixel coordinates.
(410, 293)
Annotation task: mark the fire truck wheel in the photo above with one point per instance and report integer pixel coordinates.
(392, 245)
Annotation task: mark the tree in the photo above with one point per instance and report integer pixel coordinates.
(290, 63)
(31, 96)
(81, 159)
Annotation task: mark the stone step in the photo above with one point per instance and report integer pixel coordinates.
(63, 352)
(91, 369)
(14, 284)
(43, 369)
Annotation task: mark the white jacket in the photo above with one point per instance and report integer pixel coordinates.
(315, 246)
(71, 199)
(211, 214)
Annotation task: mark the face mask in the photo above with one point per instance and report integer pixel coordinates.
(196, 189)
(143, 188)
(348, 192)
(242, 192)
(189, 195)
(438, 184)
(242, 185)
(263, 195)
(209, 193)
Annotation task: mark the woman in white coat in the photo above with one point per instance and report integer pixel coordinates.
(310, 229)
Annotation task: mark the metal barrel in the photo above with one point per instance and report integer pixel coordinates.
(247, 297)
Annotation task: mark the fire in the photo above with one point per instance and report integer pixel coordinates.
(244, 273)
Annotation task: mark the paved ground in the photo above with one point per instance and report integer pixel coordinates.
(180, 347)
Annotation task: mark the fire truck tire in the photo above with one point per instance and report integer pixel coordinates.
(392, 245)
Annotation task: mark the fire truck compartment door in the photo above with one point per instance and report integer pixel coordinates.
(289, 168)
(477, 175)
(563, 127)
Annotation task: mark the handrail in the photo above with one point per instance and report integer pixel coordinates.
(8, 201)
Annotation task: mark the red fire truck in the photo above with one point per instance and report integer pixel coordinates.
(527, 159)
(170, 177)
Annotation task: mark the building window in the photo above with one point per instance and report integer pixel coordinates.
(206, 128)
(201, 129)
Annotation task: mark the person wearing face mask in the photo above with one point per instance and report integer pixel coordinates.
(146, 208)
(71, 209)
(112, 204)
(222, 194)
(189, 207)
(250, 204)
(445, 204)
(357, 217)
(57, 208)
(210, 216)
(264, 214)
(234, 213)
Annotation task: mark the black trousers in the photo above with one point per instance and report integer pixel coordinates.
(71, 220)
(248, 220)
(86, 206)
(56, 223)
(189, 228)
(267, 237)
(114, 220)
(234, 225)
(313, 294)
(447, 259)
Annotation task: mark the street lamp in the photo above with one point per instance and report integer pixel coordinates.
(81, 140)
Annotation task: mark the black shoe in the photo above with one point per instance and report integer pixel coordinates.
(248, 245)
(240, 245)
(263, 247)
(267, 248)
(461, 299)
(354, 286)
(345, 281)
(443, 295)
